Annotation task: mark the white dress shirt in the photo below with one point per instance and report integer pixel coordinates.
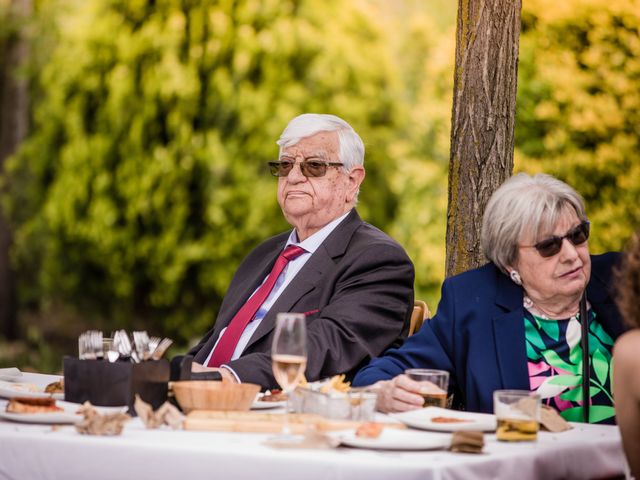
(310, 245)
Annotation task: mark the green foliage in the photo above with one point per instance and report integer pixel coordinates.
(579, 106)
(144, 184)
(426, 62)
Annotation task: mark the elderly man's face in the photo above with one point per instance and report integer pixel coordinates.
(562, 276)
(310, 203)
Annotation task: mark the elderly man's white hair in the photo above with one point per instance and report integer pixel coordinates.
(308, 124)
(523, 206)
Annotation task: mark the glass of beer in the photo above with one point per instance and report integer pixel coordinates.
(518, 415)
(433, 385)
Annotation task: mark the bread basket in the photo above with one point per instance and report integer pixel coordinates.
(214, 395)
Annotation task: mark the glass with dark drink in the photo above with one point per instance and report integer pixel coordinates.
(433, 385)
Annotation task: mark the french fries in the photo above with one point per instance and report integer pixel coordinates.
(336, 384)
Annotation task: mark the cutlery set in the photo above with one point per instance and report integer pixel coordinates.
(92, 345)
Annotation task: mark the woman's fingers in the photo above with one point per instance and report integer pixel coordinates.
(398, 395)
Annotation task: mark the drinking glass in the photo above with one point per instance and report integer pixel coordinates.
(518, 415)
(433, 385)
(289, 357)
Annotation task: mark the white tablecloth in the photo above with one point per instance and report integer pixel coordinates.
(42, 452)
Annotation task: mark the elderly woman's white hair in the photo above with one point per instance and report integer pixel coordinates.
(308, 124)
(524, 206)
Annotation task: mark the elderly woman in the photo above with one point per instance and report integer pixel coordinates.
(515, 323)
(626, 378)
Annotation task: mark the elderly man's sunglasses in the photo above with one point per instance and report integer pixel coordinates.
(309, 167)
(552, 245)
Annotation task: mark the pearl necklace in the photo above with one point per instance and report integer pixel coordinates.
(529, 305)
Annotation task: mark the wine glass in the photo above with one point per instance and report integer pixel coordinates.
(289, 357)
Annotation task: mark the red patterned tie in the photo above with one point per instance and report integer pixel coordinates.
(227, 344)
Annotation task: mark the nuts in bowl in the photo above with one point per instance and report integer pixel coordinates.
(214, 395)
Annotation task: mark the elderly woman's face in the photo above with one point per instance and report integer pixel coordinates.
(561, 276)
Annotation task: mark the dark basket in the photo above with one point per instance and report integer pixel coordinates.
(113, 384)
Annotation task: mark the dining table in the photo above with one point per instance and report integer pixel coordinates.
(42, 451)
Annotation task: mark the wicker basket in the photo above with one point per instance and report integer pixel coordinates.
(213, 395)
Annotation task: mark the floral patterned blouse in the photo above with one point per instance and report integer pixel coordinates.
(554, 354)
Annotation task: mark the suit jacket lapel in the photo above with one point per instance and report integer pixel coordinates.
(508, 330)
(305, 281)
(311, 274)
(239, 295)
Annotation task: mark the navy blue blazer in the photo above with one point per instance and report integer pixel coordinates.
(478, 334)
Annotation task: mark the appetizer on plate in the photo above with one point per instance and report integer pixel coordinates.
(55, 387)
(32, 405)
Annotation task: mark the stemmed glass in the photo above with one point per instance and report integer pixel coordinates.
(289, 357)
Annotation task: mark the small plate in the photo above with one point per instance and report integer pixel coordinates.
(30, 390)
(424, 417)
(260, 405)
(397, 439)
(11, 374)
(67, 416)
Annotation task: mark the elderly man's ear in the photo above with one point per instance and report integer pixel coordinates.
(356, 177)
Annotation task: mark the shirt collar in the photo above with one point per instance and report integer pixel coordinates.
(312, 243)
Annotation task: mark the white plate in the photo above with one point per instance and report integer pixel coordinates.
(423, 419)
(11, 374)
(260, 405)
(397, 439)
(67, 416)
(30, 390)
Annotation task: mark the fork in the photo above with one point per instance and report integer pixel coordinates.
(153, 344)
(161, 348)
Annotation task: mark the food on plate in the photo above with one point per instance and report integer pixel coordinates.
(274, 396)
(369, 430)
(32, 405)
(55, 387)
(335, 384)
(450, 420)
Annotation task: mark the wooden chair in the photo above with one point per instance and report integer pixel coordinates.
(418, 316)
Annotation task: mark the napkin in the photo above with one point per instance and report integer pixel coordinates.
(10, 374)
(552, 421)
(167, 414)
(95, 423)
(467, 441)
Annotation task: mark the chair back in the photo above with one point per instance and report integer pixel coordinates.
(418, 316)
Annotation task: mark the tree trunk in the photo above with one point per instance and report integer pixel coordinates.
(13, 128)
(483, 120)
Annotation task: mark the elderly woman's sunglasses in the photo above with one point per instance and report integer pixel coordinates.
(552, 245)
(309, 168)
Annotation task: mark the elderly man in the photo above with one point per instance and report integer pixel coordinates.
(353, 282)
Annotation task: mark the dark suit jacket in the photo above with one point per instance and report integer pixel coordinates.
(478, 334)
(358, 283)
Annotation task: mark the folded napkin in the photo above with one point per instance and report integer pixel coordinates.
(10, 374)
(467, 441)
(95, 423)
(551, 420)
(167, 414)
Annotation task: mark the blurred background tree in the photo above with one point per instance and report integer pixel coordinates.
(142, 183)
(579, 106)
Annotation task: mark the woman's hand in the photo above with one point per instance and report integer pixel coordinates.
(398, 395)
